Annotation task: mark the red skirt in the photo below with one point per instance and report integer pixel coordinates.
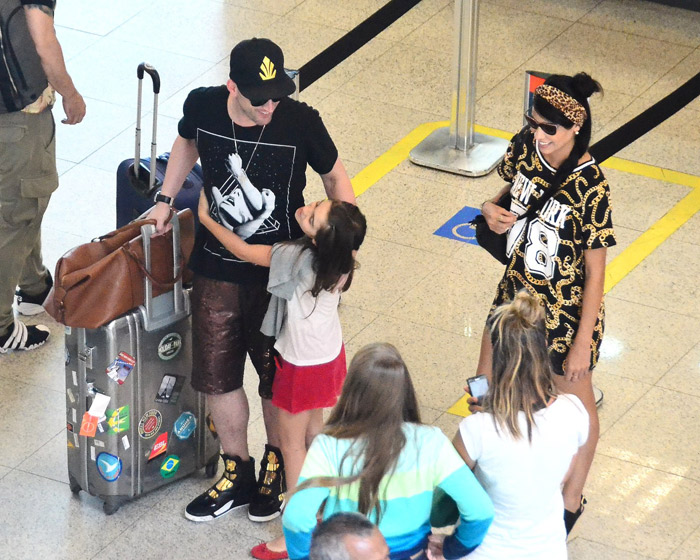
(299, 388)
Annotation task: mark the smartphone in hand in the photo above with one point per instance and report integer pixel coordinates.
(478, 387)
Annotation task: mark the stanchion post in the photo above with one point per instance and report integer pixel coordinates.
(457, 148)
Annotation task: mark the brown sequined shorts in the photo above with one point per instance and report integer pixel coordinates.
(226, 321)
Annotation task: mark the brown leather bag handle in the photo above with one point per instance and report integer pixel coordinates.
(142, 267)
(133, 228)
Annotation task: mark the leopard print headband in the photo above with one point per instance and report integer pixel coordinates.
(563, 102)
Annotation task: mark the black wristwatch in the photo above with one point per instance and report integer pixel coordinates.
(160, 197)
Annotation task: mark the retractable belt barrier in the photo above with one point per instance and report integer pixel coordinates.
(353, 41)
(362, 34)
(646, 121)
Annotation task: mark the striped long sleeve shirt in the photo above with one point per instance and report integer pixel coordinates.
(427, 461)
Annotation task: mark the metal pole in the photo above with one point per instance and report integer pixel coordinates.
(457, 148)
(464, 75)
(294, 75)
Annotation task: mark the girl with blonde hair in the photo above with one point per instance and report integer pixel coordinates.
(521, 447)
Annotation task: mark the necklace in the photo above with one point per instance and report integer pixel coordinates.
(235, 141)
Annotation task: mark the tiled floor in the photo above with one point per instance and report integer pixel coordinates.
(426, 294)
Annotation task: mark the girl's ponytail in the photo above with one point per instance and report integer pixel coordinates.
(585, 86)
(521, 376)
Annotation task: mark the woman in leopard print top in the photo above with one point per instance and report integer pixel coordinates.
(559, 254)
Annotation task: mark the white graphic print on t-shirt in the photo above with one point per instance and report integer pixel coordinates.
(244, 209)
(542, 233)
(250, 189)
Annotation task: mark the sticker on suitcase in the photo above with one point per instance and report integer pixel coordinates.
(99, 405)
(170, 388)
(119, 419)
(109, 466)
(88, 426)
(150, 423)
(159, 447)
(185, 425)
(211, 426)
(170, 466)
(121, 367)
(169, 346)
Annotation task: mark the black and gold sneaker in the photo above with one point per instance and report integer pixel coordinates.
(234, 489)
(267, 502)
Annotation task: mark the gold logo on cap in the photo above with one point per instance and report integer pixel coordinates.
(268, 69)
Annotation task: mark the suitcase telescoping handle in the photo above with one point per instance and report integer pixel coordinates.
(168, 307)
(139, 169)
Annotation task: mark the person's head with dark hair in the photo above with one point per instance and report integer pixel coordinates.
(333, 230)
(561, 105)
(348, 536)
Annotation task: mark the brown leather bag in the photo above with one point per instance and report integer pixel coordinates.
(98, 281)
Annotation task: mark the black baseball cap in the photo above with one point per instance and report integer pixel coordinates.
(257, 67)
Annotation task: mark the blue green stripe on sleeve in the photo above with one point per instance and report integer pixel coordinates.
(475, 510)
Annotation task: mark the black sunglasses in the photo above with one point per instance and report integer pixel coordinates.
(261, 102)
(549, 129)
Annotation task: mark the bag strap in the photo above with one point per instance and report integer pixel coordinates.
(518, 143)
(544, 199)
(127, 231)
(142, 267)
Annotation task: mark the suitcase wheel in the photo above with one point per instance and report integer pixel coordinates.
(74, 486)
(211, 468)
(110, 507)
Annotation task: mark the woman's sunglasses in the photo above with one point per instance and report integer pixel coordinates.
(261, 102)
(549, 129)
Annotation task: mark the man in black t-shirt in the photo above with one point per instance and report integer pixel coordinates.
(254, 144)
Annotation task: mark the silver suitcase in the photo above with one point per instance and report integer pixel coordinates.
(134, 423)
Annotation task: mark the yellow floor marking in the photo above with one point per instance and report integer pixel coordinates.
(653, 172)
(460, 408)
(392, 157)
(645, 244)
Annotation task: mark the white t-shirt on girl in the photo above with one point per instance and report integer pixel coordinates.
(524, 479)
(311, 332)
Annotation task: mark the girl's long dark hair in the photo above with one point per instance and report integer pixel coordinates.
(522, 379)
(377, 398)
(334, 244)
(580, 87)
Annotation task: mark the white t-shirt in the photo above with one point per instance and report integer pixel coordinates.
(311, 332)
(524, 479)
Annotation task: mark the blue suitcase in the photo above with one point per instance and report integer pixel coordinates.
(137, 188)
